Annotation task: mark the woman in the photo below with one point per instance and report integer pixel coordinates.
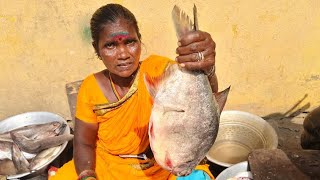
(113, 106)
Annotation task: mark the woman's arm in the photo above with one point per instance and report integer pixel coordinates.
(85, 136)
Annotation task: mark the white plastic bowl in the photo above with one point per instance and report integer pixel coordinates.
(240, 133)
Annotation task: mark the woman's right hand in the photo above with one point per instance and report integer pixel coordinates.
(196, 51)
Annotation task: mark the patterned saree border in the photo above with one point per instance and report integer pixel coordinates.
(102, 109)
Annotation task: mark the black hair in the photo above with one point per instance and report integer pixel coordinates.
(109, 13)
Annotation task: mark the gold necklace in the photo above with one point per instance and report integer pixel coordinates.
(115, 92)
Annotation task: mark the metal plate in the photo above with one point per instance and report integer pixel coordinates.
(232, 171)
(240, 133)
(31, 118)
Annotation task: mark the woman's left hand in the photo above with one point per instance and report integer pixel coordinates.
(196, 51)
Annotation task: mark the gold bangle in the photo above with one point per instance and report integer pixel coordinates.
(87, 174)
(211, 72)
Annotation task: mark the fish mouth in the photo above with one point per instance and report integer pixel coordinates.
(60, 130)
(182, 170)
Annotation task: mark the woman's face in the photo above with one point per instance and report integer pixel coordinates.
(120, 48)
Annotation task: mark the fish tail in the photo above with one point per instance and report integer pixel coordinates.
(181, 21)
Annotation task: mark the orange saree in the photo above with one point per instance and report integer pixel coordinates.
(123, 128)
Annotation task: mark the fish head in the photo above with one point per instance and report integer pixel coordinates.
(61, 129)
(46, 130)
(57, 127)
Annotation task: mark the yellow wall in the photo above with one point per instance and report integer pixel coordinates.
(268, 51)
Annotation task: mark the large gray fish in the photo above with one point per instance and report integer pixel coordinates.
(38, 145)
(185, 116)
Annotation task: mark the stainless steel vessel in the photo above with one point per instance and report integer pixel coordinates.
(31, 118)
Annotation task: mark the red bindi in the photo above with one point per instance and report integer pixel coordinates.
(119, 36)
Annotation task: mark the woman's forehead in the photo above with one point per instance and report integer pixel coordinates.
(119, 28)
(120, 33)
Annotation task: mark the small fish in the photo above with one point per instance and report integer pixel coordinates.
(185, 116)
(43, 157)
(20, 162)
(37, 131)
(38, 145)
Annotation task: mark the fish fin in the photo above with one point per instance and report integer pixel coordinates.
(153, 83)
(181, 21)
(221, 98)
(195, 18)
